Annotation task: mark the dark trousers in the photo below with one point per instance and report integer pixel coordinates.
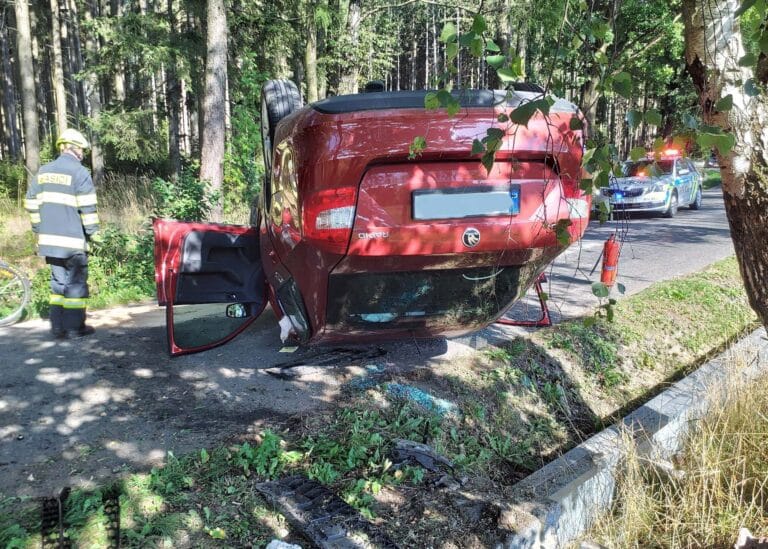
(69, 292)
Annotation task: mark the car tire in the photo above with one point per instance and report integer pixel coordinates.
(672, 208)
(279, 98)
(696, 204)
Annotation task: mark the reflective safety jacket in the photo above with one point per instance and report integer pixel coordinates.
(61, 202)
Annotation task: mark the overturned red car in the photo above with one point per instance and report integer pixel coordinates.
(355, 237)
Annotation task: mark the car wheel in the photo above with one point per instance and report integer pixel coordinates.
(672, 208)
(279, 98)
(696, 204)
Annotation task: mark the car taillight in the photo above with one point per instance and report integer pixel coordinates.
(328, 217)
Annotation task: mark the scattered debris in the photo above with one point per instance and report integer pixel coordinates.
(277, 544)
(425, 400)
(372, 376)
(747, 541)
(321, 516)
(333, 357)
(408, 450)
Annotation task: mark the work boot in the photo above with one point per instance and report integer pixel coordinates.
(57, 327)
(82, 332)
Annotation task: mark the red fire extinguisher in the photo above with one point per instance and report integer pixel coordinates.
(610, 261)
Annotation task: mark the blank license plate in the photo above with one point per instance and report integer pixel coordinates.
(466, 202)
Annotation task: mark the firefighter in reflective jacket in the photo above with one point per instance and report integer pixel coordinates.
(61, 202)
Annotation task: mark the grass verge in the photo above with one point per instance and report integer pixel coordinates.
(720, 483)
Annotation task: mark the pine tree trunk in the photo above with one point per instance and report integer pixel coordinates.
(93, 92)
(713, 47)
(212, 154)
(28, 96)
(59, 92)
(77, 55)
(173, 95)
(9, 98)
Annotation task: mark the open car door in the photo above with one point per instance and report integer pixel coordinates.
(211, 281)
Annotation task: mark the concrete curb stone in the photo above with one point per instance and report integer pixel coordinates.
(558, 503)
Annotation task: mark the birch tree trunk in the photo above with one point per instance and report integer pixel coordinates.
(310, 54)
(212, 154)
(28, 96)
(713, 47)
(351, 70)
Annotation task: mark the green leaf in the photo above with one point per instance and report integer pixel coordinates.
(724, 142)
(449, 33)
(518, 66)
(589, 321)
(600, 290)
(503, 118)
(495, 61)
(507, 75)
(417, 146)
(622, 84)
(763, 41)
(490, 45)
(523, 113)
(603, 179)
(637, 153)
(453, 107)
(487, 160)
(588, 154)
(478, 24)
(451, 51)
(494, 133)
(622, 289)
(477, 47)
(561, 232)
(477, 147)
(725, 103)
(745, 5)
(204, 457)
(690, 121)
(634, 118)
(431, 101)
(601, 58)
(444, 97)
(466, 38)
(749, 60)
(653, 117)
(217, 533)
(576, 124)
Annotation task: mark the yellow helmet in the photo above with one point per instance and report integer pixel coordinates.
(72, 137)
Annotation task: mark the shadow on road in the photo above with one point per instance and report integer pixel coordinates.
(75, 412)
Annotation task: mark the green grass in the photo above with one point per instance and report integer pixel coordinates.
(711, 178)
(657, 335)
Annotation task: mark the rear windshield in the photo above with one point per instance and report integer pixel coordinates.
(648, 168)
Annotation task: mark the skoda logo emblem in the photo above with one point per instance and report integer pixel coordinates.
(471, 237)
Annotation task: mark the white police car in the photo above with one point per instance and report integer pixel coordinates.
(654, 184)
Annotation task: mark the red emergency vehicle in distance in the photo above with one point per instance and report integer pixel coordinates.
(358, 239)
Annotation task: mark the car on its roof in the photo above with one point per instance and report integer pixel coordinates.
(357, 237)
(659, 183)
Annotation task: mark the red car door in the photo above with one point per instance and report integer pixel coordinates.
(210, 279)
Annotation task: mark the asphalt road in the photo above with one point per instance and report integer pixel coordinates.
(77, 412)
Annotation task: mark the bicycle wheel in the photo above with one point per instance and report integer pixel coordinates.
(14, 294)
